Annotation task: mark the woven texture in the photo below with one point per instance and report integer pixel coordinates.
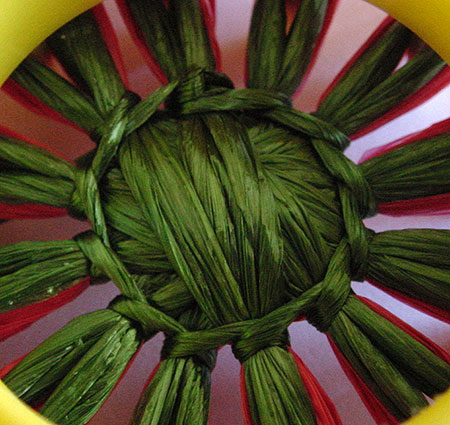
(223, 215)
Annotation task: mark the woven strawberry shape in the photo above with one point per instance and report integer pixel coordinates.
(223, 215)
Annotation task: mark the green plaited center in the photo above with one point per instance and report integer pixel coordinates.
(222, 215)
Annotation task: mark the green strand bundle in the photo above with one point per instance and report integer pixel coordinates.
(34, 271)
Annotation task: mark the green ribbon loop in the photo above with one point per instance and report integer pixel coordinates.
(334, 290)
(106, 260)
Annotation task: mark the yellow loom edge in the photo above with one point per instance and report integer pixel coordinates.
(14, 412)
(429, 19)
(24, 24)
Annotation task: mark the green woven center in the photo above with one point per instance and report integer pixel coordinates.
(248, 213)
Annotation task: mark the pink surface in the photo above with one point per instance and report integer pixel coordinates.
(354, 21)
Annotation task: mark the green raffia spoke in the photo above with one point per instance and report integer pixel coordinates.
(403, 368)
(407, 80)
(375, 65)
(370, 88)
(33, 271)
(57, 93)
(414, 262)
(266, 43)
(192, 34)
(178, 385)
(300, 43)
(185, 44)
(273, 371)
(411, 171)
(28, 157)
(43, 368)
(377, 371)
(158, 29)
(89, 354)
(277, 58)
(80, 48)
(417, 363)
(31, 174)
(16, 187)
(94, 377)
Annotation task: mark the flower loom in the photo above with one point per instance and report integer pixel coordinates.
(223, 215)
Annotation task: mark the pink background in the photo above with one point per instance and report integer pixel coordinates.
(355, 20)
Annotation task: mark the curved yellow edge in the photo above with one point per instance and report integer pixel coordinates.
(437, 414)
(15, 412)
(26, 23)
(429, 19)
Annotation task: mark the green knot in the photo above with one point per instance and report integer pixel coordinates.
(150, 321)
(197, 83)
(248, 345)
(334, 290)
(85, 200)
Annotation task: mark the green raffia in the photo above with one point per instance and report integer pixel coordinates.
(89, 354)
(222, 218)
(58, 93)
(407, 80)
(361, 335)
(375, 65)
(427, 373)
(154, 156)
(192, 34)
(153, 20)
(178, 384)
(300, 43)
(20, 156)
(80, 48)
(18, 188)
(370, 88)
(411, 171)
(266, 44)
(414, 262)
(377, 371)
(33, 271)
(31, 174)
(273, 370)
(287, 53)
(48, 363)
(221, 295)
(94, 377)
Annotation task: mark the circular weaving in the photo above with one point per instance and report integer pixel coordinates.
(225, 214)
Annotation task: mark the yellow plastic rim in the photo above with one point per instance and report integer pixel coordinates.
(23, 26)
(430, 19)
(14, 412)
